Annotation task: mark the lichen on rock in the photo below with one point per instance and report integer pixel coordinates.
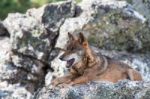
(98, 90)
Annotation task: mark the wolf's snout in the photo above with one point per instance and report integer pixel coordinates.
(61, 57)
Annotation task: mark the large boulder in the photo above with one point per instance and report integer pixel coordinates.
(34, 33)
(24, 56)
(111, 25)
(97, 90)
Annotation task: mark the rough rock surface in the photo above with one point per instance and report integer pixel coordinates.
(4, 55)
(97, 90)
(30, 59)
(142, 6)
(111, 25)
(24, 56)
(3, 30)
(35, 36)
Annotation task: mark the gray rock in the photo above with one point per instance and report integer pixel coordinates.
(111, 25)
(14, 91)
(32, 38)
(53, 15)
(24, 57)
(5, 48)
(35, 36)
(18, 68)
(25, 33)
(3, 30)
(30, 72)
(10, 74)
(99, 90)
(142, 6)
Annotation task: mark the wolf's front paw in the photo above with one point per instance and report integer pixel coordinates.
(55, 82)
(64, 85)
(71, 84)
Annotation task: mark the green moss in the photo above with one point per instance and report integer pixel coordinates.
(36, 33)
(78, 1)
(130, 1)
(117, 31)
(92, 39)
(147, 95)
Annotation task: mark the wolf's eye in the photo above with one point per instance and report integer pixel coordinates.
(71, 48)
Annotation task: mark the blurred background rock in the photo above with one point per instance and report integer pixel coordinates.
(11, 6)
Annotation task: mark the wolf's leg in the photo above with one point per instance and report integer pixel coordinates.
(134, 75)
(64, 79)
(80, 80)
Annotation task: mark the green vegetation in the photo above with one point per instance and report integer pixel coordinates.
(78, 1)
(11, 6)
(130, 1)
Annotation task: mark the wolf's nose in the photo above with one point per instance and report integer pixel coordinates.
(61, 57)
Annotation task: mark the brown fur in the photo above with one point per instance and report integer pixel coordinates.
(95, 68)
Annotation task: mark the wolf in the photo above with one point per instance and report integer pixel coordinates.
(84, 65)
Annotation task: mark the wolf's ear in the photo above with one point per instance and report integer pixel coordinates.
(83, 40)
(71, 37)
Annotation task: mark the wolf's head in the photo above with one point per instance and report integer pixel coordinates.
(75, 49)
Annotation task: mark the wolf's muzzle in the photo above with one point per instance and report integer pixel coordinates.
(61, 57)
